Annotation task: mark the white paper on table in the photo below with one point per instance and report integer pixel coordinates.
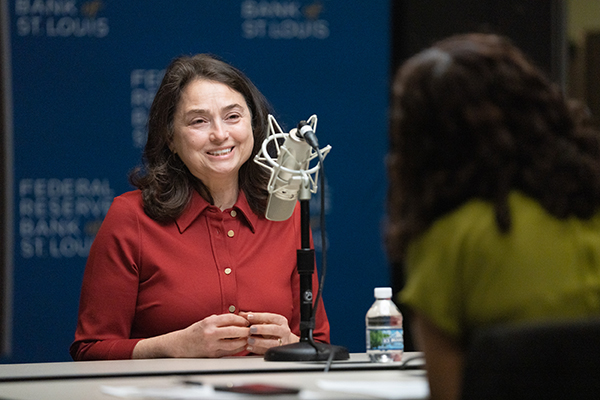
(180, 392)
(401, 389)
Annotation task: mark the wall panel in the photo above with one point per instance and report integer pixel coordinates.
(83, 75)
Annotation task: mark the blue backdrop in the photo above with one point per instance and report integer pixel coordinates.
(83, 76)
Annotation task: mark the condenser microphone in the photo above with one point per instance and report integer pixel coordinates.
(290, 172)
(294, 155)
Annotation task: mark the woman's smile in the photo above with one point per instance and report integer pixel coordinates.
(220, 153)
(213, 132)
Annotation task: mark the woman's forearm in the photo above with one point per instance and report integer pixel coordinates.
(444, 359)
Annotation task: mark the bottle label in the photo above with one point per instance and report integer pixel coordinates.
(385, 339)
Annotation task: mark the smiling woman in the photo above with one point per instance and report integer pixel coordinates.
(185, 266)
(164, 172)
(213, 137)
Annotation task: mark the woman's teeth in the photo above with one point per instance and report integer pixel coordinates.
(220, 152)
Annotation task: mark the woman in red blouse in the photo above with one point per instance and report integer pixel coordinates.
(187, 265)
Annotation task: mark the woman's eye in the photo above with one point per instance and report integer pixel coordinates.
(198, 121)
(233, 117)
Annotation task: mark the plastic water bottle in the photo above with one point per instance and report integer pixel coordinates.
(385, 340)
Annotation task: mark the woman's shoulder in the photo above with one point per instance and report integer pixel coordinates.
(481, 212)
(474, 212)
(474, 221)
(473, 228)
(128, 202)
(131, 197)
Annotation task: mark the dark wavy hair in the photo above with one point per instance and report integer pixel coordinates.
(165, 181)
(472, 117)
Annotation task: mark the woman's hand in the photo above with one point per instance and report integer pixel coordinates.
(214, 336)
(267, 330)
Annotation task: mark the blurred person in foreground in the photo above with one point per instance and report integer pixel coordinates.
(188, 265)
(493, 201)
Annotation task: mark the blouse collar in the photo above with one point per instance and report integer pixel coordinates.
(198, 205)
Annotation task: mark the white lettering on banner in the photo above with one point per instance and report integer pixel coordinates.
(45, 7)
(67, 247)
(67, 26)
(283, 20)
(290, 29)
(144, 84)
(147, 78)
(59, 218)
(272, 9)
(60, 18)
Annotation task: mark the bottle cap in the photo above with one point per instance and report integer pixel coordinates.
(383, 292)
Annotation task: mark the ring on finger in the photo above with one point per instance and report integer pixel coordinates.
(280, 342)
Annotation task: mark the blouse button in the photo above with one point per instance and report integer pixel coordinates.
(227, 271)
(230, 233)
(233, 213)
(231, 309)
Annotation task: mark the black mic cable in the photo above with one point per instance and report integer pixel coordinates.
(306, 132)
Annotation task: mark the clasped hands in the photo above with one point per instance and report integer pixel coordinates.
(267, 330)
(225, 335)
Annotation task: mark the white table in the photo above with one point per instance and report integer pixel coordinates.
(92, 379)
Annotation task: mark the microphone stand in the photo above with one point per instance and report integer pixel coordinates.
(306, 349)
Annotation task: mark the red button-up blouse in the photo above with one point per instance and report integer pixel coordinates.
(144, 278)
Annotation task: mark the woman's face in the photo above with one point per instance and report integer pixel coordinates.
(212, 132)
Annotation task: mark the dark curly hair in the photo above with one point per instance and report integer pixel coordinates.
(165, 181)
(472, 117)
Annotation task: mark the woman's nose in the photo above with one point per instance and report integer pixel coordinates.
(219, 132)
